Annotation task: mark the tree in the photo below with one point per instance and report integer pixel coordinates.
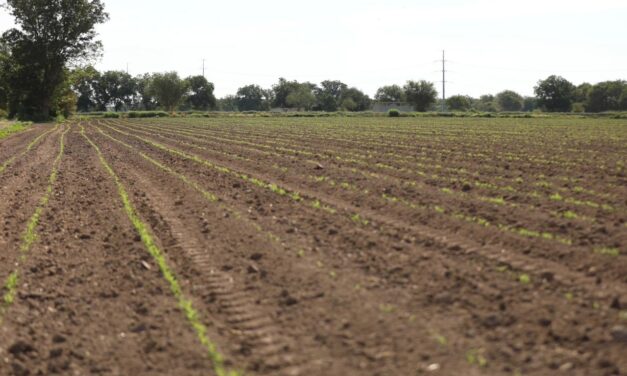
(555, 94)
(530, 104)
(607, 96)
(392, 93)
(83, 81)
(581, 92)
(168, 89)
(228, 103)
(253, 98)
(301, 97)
(329, 95)
(144, 98)
(282, 90)
(459, 103)
(354, 99)
(485, 103)
(509, 101)
(421, 94)
(115, 88)
(50, 34)
(200, 96)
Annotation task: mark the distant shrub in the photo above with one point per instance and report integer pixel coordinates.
(394, 113)
(579, 107)
(110, 115)
(3, 114)
(147, 114)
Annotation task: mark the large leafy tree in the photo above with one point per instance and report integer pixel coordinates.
(555, 94)
(50, 35)
(458, 103)
(83, 81)
(302, 97)
(329, 95)
(354, 99)
(114, 88)
(200, 96)
(607, 96)
(509, 101)
(391, 93)
(421, 94)
(253, 98)
(168, 89)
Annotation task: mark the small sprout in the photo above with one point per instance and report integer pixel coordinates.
(569, 215)
(622, 315)
(525, 279)
(387, 308)
(439, 209)
(440, 339)
(556, 197)
(501, 269)
(596, 305)
(474, 357)
(447, 191)
(332, 274)
(569, 296)
(300, 253)
(319, 264)
(607, 251)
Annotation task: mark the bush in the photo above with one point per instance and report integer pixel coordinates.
(394, 113)
(3, 114)
(110, 115)
(147, 114)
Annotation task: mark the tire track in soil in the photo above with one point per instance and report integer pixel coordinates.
(542, 269)
(259, 341)
(546, 296)
(92, 302)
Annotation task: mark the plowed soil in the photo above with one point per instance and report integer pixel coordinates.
(339, 246)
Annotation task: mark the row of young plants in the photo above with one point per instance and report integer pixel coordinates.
(148, 239)
(568, 214)
(525, 280)
(432, 134)
(30, 236)
(472, 359)
(432, 164)
(432, 208)
(28, 148)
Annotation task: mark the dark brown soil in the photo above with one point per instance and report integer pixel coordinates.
(360, 278)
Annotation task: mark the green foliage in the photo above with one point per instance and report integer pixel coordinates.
(111, 115)
(394, 113)
(200, 96)
(147, 114)
(421, 94)
(3, 114)
(301, 97)
(49, 35)
(509, 101)
(555, 94)
(168, 89)
(607, 96)
(113, 88)
(459, 103)
(253, 98)
(391, 93)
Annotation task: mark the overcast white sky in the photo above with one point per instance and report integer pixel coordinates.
(492, 45)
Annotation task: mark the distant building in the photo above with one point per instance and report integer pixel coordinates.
(387, 106)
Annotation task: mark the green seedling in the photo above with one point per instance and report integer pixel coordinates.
(608, 251)
(525, 279)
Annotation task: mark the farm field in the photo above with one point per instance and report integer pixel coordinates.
(315, 246)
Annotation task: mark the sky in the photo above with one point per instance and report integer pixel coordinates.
(491, 45)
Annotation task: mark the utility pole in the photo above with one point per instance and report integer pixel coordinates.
(203, 67)
(443, 82)
(126, 68)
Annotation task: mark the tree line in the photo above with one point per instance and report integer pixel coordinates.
(44, 72)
